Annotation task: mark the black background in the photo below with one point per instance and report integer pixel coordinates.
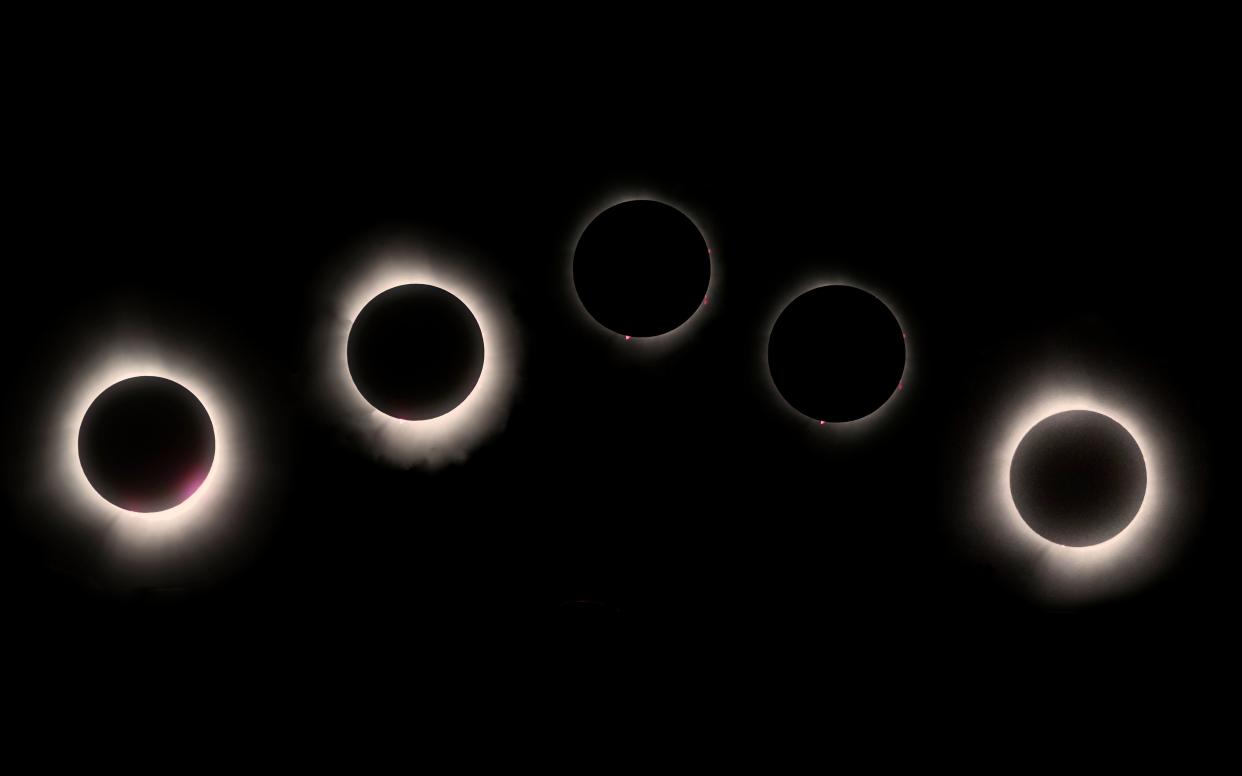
(1007, 213)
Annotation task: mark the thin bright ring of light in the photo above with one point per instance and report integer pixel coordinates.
(1064, 574)
(447, 438)
(152, 538)
(669, 339)
(849, 427)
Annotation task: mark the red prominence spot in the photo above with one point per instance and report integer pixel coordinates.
(192, 484)
(627, 338)
(822, 422)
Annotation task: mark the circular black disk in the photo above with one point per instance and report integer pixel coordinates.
(641, 268)
(415, 352)
(146, 444)
(836, 353)
(1078, 478)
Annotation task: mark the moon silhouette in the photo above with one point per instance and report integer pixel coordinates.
(1078, 478)
(415, 352)
(641, 268)
(146, 444)
(836, 353)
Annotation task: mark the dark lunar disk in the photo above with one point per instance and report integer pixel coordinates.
(836, 353)
(1078, 478)
(641, 268)
(415, 352)
(146, 444)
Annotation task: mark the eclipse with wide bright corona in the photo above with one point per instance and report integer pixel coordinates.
(1078, 478)
(418, 358)
(156, 453)
(146, 444)
(1082, 489)
(836, 354)
(415, 352)
(641, 268)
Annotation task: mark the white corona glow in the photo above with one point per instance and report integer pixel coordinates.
(849, 428)
(1061, 574)
(661, 343)
(448, 437)
(151, 540)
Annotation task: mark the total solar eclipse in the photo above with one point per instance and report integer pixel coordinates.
(1078, 478)
(146, 444)
(641, 268)
(836, 353)
(415, 352)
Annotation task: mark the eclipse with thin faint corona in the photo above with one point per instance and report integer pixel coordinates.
(641, 268)
(836, 353)
(1078, 478)
(415, 352)
(146, 444)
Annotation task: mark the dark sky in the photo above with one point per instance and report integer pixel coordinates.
(1007, 225)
